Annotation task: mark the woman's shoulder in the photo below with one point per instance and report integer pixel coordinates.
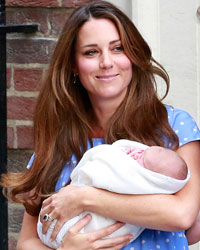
(183, 124)
(175, 114)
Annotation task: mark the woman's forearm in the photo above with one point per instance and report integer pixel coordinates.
(149, 211)
(32, 244)
(28, 236)
(165, 212)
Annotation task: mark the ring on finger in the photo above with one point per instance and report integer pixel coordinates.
(47, 217)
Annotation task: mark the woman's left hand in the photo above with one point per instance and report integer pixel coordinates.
(64, 205)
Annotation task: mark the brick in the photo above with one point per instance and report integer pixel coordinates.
(75, 3)
(12, 243)
(15, 218)
(10, 137)
(57, 20)
(41, 16)
(20, 108)
(25, 137)
(29, 50)
(22, 15)
(27, 79)
(33, 3)
(69, 3)
(8, 76)
(18, 159)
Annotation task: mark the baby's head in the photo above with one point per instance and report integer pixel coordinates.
(165, 161)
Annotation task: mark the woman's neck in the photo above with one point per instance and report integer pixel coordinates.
(97, 132)
(100, 121)
(103, 113)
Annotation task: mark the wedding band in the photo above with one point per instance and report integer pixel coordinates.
(47, 217)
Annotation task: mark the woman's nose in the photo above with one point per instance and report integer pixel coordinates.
(106, 61)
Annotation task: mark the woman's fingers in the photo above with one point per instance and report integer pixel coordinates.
(94, 240)
(112, 243)
(74, 229)
(47, 211)
(81, 224)
(46, 218)
(116, 247)
(119, 246)
(46, 202)
(57, 228)
(43, 212)
(46, 224)
(103, 232)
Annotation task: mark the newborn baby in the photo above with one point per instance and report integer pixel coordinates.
(125, 167)
(160, 160)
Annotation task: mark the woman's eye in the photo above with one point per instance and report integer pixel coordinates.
(118, 48)
(90, 52)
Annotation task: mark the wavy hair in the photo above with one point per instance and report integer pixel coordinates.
(62, 120)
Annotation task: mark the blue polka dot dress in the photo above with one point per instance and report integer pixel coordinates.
(186, 129)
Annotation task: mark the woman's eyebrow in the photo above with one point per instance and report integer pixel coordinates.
(115, 41)
(89, 45)
(96, 45)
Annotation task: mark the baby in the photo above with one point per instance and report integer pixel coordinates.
(117, 168)
(161, 160)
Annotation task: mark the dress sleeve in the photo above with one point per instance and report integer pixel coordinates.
(184, 126)
(30, 161)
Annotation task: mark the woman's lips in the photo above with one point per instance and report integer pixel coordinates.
(107, 77)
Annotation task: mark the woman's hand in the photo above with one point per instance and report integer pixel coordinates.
(64, 205)
(90, 241)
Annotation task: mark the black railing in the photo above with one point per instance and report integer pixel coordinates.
(4, 29)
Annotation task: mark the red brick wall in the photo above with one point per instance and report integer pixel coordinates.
(44, 3)
(27, 59)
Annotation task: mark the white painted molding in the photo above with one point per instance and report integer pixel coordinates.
(148, 23)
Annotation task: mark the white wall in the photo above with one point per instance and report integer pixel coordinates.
(172, 30)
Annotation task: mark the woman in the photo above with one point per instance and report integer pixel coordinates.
(100, 88)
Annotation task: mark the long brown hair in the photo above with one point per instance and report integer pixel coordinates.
(63, 112)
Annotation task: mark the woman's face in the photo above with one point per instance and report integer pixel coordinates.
(103, 68)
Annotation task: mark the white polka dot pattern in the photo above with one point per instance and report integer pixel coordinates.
(186, 129)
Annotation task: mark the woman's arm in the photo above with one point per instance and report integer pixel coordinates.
(165, 212)
(193, 233)
(28, 238)
(73, 240)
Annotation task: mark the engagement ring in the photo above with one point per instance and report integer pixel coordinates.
(47, 217)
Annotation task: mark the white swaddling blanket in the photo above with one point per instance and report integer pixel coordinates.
(109, 167)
